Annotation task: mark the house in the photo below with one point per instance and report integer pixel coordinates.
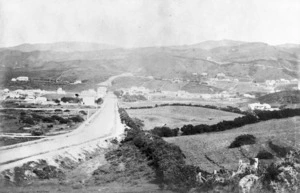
(13, 80)
(77, 82)
(89, 93)
(249, 96)
(101, 91)
(22, 78)
(220, 75)
(6, 90)
(88, 101)
(41, 100)
(204, 74)
(258, 106)
(60, 91)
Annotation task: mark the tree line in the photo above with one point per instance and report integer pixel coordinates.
(255, 117)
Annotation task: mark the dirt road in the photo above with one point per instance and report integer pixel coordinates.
(103, 124)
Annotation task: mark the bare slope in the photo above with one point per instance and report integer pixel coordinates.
(215, 145)
(177, 116)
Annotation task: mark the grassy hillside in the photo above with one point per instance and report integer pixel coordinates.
(283, 97)
(257, 61)
(177, 116)
(214, 146)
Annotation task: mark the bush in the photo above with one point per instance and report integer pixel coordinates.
(77, 119)
(28, 120)
(83, 112)
(99, 101)
(58, 110)
(243, 140)
(165, 131)
(70, 100)
(37, 132)
(264, 155)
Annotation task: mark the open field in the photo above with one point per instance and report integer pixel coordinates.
(215, 145)
(18, 125)
(215, 102)
(177, 116)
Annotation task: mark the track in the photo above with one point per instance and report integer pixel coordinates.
(104, 124)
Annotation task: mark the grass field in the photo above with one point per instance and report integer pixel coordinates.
(215, 145)
(177, 116)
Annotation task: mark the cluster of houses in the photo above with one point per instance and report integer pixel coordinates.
(20, 79)
(263, 107)
(30, 96)
(38, 96)
(152, 94)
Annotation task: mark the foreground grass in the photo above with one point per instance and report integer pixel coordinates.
(214, 146)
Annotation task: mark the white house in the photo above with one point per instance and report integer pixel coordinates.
(101, 91)
(88, 93)
(220, 75)
(41, 100)
(6, 90)
(22, 78)
(249, 96)
(13, 80)
(77, 82)
(204, 74)
(60, 91)
(88, 101)
(258, 106)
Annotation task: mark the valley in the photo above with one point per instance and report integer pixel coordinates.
(90, 117)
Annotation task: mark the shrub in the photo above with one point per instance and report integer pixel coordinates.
(77, 119)
(243, 140)
(264, 155)
(83, 112)
(37, 132)
(165, 131)
(28, 120)
(99, 101)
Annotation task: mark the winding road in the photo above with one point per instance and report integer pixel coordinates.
(104, 124)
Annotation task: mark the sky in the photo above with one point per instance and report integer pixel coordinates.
(141, 23)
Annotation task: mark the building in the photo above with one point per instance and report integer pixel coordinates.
(258, 106)
(88, 93)
(204, 74)
(88, 101)
(6, 90)
(249, 96)
(41, 100)
(22, 78)
(60, 91)
(13, 80)
(220, 75)
(77, 82)
(101, 91)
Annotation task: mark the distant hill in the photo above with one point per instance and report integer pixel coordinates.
(66, 61)
(62, 47)
(283, 97)
(208, 45)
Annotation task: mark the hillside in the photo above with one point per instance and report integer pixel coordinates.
(62, 47)
(91, 62)
(283, 97)
(198, 148)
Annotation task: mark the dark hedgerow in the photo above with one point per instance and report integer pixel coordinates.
(264, 155)
(243, 140)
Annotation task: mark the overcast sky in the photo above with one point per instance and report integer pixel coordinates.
(134, 23)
